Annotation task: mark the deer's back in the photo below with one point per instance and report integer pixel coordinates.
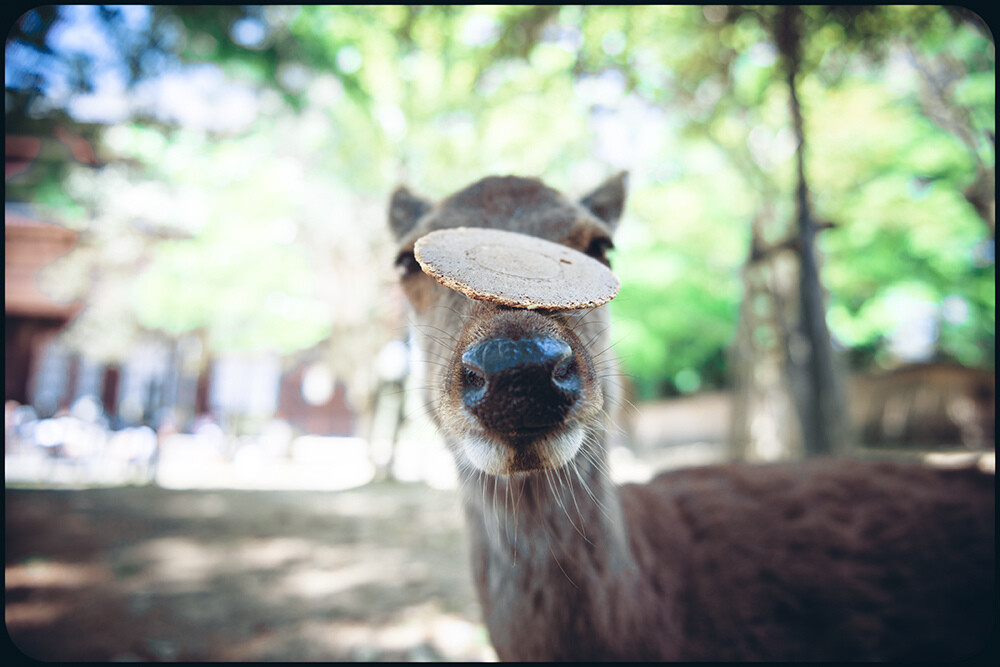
(829, 559)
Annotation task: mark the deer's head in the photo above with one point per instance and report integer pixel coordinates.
(513, 390)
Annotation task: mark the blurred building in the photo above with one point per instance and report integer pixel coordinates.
(31, 319)
(924, 404)
(160, 378)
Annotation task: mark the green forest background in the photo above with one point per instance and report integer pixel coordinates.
(243, 158)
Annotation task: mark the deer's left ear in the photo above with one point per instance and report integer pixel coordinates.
(405, 208)
(608, 200)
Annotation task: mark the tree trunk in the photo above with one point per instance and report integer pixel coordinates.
(813, 374)
(789, 401)
(765, 423)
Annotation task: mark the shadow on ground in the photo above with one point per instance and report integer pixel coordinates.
(379, 572)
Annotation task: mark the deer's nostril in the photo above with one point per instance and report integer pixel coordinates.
(565, 377)
(473, 377)
(474, 383)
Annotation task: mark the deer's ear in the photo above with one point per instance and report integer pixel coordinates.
(608, 200)
(405, 208)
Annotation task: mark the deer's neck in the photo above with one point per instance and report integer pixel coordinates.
(550, 548)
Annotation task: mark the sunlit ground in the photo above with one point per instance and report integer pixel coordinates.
(334, 464)
(208, 460)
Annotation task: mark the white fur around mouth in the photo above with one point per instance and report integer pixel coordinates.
(494, 457)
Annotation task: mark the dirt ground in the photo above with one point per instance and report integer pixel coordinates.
(191, 569)
(375, 572)
(379, 572)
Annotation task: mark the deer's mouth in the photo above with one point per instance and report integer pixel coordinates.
(527, 450)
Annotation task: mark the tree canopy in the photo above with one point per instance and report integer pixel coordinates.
(245, 155)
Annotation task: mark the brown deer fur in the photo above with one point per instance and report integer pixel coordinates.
(829, 559)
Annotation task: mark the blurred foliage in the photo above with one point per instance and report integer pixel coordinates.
(266, 231)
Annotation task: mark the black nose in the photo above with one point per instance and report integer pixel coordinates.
(520, 386)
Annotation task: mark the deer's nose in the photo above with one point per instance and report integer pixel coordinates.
(520, 386)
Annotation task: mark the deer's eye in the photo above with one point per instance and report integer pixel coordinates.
(406, 264)
(598, 249)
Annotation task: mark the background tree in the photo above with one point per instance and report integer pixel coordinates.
(271, 213)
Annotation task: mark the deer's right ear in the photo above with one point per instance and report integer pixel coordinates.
(405, 209)
(608, 200)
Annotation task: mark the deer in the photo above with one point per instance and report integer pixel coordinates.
(823, 559)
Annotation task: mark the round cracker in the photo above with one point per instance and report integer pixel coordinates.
(513, 269)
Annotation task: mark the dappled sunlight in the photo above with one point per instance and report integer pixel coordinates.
(985, 461)
(311, 582)
(375, 572)
(315, 463)
(46, 573)
(35, 592)
(422, 627)
(295, 567)
(422, 633)
(181, 561)
(273, 553)
(34, 613)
